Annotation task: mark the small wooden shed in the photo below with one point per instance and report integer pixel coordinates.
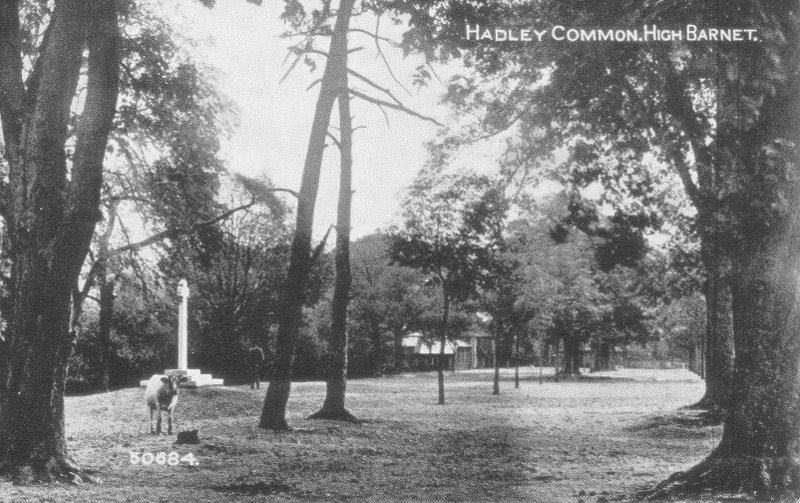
(422, 352)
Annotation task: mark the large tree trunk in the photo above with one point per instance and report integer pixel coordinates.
(52, 221)
(577, 359)
(336, 379)
(718, 350)
(273, 414)
(707, 198)
(760, 447)
(602, 356)
(571, 356)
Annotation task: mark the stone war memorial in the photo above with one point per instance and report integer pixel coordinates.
(196, 379)
(437, 251)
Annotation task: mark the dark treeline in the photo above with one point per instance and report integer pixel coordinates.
(552, 296)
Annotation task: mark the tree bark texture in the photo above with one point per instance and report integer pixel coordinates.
(718, 350)
(602, 356)
(760, 447)
(336, 379)
(707, 197)
(51, 220)
(273, 414)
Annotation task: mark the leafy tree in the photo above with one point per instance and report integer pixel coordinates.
(579, 307)
(607, 297)
(386, 301)
(450, 233)
(518, 297)
(239, 294)
(138, 340)
(66, 107)
(166, 169)
(634, 104)
(735, 108)
(273, 415)
(336, 372)
(49, 216)
(683, 321)
(759, 112)
(628, 319)
(327, 23)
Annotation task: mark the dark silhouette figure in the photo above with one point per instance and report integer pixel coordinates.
(255, 360)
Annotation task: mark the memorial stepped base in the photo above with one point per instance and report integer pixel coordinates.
(196, 378)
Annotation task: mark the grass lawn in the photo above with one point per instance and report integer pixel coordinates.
(575, 441)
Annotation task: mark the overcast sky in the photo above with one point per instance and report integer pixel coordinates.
(244, 42)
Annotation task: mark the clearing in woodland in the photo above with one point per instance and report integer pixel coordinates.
(571, 441)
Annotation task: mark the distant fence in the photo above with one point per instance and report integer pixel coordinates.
(649, 364)
(620, 360)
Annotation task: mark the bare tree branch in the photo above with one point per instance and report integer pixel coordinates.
(293, 65)
(383, 56)
(673, 150)
(385, 116)
(434, 73)
(389, 41)
(288, 191)
(384, 90)
(335, 140)
(173, 233)
(401, 107)
(320, 247)
(134, 264)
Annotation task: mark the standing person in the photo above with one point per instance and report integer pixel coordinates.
(255, 361)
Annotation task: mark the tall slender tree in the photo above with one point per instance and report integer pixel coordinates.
(384, 304)
(273, 415)
(627, 100)
(451, 234)
(333, 84)
(50, 207)
(336, 372)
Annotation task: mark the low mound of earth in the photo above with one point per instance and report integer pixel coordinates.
(577, 441)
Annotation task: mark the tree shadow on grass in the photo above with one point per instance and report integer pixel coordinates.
(482, 461)
(680, 423)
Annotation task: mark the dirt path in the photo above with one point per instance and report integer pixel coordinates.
(554, 442)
